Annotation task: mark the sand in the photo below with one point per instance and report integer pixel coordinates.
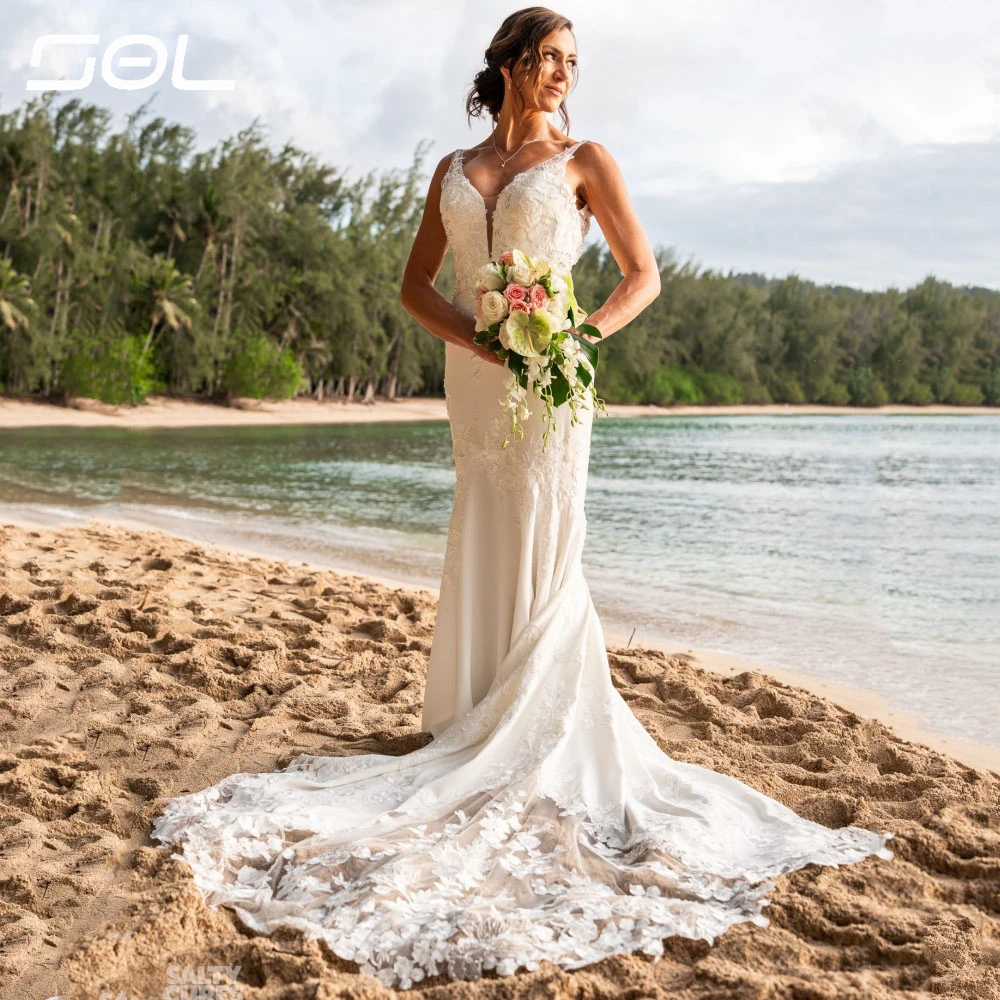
(137, 665)
(164, 411)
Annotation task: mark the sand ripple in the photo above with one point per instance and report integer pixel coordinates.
(138, 665)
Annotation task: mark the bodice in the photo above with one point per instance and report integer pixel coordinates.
(535, 212)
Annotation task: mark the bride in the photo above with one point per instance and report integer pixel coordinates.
(542, 821)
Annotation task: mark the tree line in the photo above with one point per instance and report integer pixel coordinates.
(132, 264)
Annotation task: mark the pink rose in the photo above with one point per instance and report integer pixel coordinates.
(538, 297)
(515, 293)
(521, 306)
(507, 258)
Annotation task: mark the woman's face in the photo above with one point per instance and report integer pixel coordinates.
(555, 75)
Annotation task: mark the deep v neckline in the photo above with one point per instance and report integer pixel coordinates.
(489, 216)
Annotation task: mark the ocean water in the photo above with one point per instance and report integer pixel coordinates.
(861, 549)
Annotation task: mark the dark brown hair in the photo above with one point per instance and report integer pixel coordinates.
(518, 46)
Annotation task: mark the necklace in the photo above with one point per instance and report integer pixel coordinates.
(503, 162)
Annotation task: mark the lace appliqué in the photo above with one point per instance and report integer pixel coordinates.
(502, 877)
(536, 212)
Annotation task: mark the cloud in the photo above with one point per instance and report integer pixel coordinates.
(935, 209)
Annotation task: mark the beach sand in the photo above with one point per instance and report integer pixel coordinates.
(138, 665)
(164, 411)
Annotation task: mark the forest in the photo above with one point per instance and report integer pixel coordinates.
(132, 263)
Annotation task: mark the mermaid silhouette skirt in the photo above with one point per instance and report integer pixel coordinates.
(542, 822)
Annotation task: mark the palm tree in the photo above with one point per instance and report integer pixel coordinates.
(169, 296)
(16, 305)
(15, 298)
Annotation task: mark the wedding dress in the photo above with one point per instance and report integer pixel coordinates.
(542, 821)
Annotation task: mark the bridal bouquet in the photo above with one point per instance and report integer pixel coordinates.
(528, 316)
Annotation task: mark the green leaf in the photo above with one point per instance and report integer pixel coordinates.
(559, 387)
(518, 366)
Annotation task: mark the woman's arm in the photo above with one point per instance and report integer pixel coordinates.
(605, 192)
(417, 293)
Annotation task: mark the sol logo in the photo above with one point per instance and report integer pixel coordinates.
(108, 63)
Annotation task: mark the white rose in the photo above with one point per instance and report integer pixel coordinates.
(493, 307)
(521, 274)
(488, 279)
(558, 285)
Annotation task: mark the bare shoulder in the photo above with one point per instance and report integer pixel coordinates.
(606, 193)
(595, 159)
(595, 175)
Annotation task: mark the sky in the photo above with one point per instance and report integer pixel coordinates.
(846, 142)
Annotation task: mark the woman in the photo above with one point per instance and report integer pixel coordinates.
(542, 821)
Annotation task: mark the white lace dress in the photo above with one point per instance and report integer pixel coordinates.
(542, 821)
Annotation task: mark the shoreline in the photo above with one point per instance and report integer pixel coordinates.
(861, 701)
(164, 411)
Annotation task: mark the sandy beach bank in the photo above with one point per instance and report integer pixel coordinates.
(162, 411)
(138, 665)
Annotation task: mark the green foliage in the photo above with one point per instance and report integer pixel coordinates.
(788, 390)
(835, 394)
(920, 394)
(718, 387)
(260, 368)
(132, 231)
(943, 384)
(753, 392)
(112, 370)
(865, 387)
(991, 388)
(674, 384)
(965, 394)
(671, 384)
(611, 384)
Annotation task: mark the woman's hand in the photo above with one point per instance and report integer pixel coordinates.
(486, 354)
